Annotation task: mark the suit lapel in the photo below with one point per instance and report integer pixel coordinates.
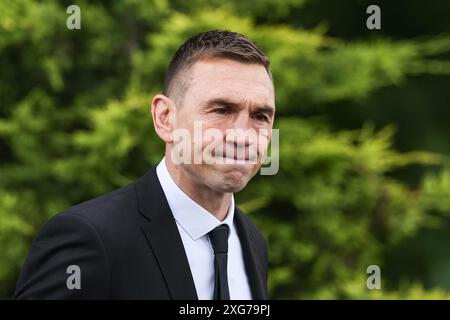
(163, 237)
(253, 267)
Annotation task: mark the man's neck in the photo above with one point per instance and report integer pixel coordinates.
(217, 203)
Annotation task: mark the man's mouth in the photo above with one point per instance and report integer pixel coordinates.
(236, 157)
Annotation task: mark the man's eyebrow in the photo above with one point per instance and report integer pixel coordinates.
(270, 111)
(221, 102)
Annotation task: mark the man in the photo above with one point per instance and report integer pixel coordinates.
(175, 233)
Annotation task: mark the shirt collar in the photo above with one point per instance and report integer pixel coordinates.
(193, 218)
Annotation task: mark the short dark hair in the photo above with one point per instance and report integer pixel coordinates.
(209, 45)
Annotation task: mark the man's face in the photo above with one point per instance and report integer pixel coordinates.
(237, 100)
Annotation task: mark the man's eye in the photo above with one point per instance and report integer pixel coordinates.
(261, 117)
(221, 111)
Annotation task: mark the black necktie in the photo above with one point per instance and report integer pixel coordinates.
(219, 242)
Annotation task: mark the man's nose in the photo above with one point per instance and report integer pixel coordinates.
(240, 130)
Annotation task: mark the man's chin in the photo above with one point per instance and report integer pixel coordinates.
(235, 176)
(232, 185)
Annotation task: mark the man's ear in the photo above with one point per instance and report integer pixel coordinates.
(164, 115)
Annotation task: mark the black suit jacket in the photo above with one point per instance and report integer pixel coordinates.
(127, 246)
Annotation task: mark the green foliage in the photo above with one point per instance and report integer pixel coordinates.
(414, 291)
(75, 123)
(336, 209)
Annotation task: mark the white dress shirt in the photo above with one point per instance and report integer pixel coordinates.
(194, 222)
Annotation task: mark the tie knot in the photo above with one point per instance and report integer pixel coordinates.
(219, 239)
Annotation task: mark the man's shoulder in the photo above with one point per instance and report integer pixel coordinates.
(105, 214)
(111, 200)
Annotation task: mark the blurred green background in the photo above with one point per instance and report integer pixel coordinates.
(363, 116)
